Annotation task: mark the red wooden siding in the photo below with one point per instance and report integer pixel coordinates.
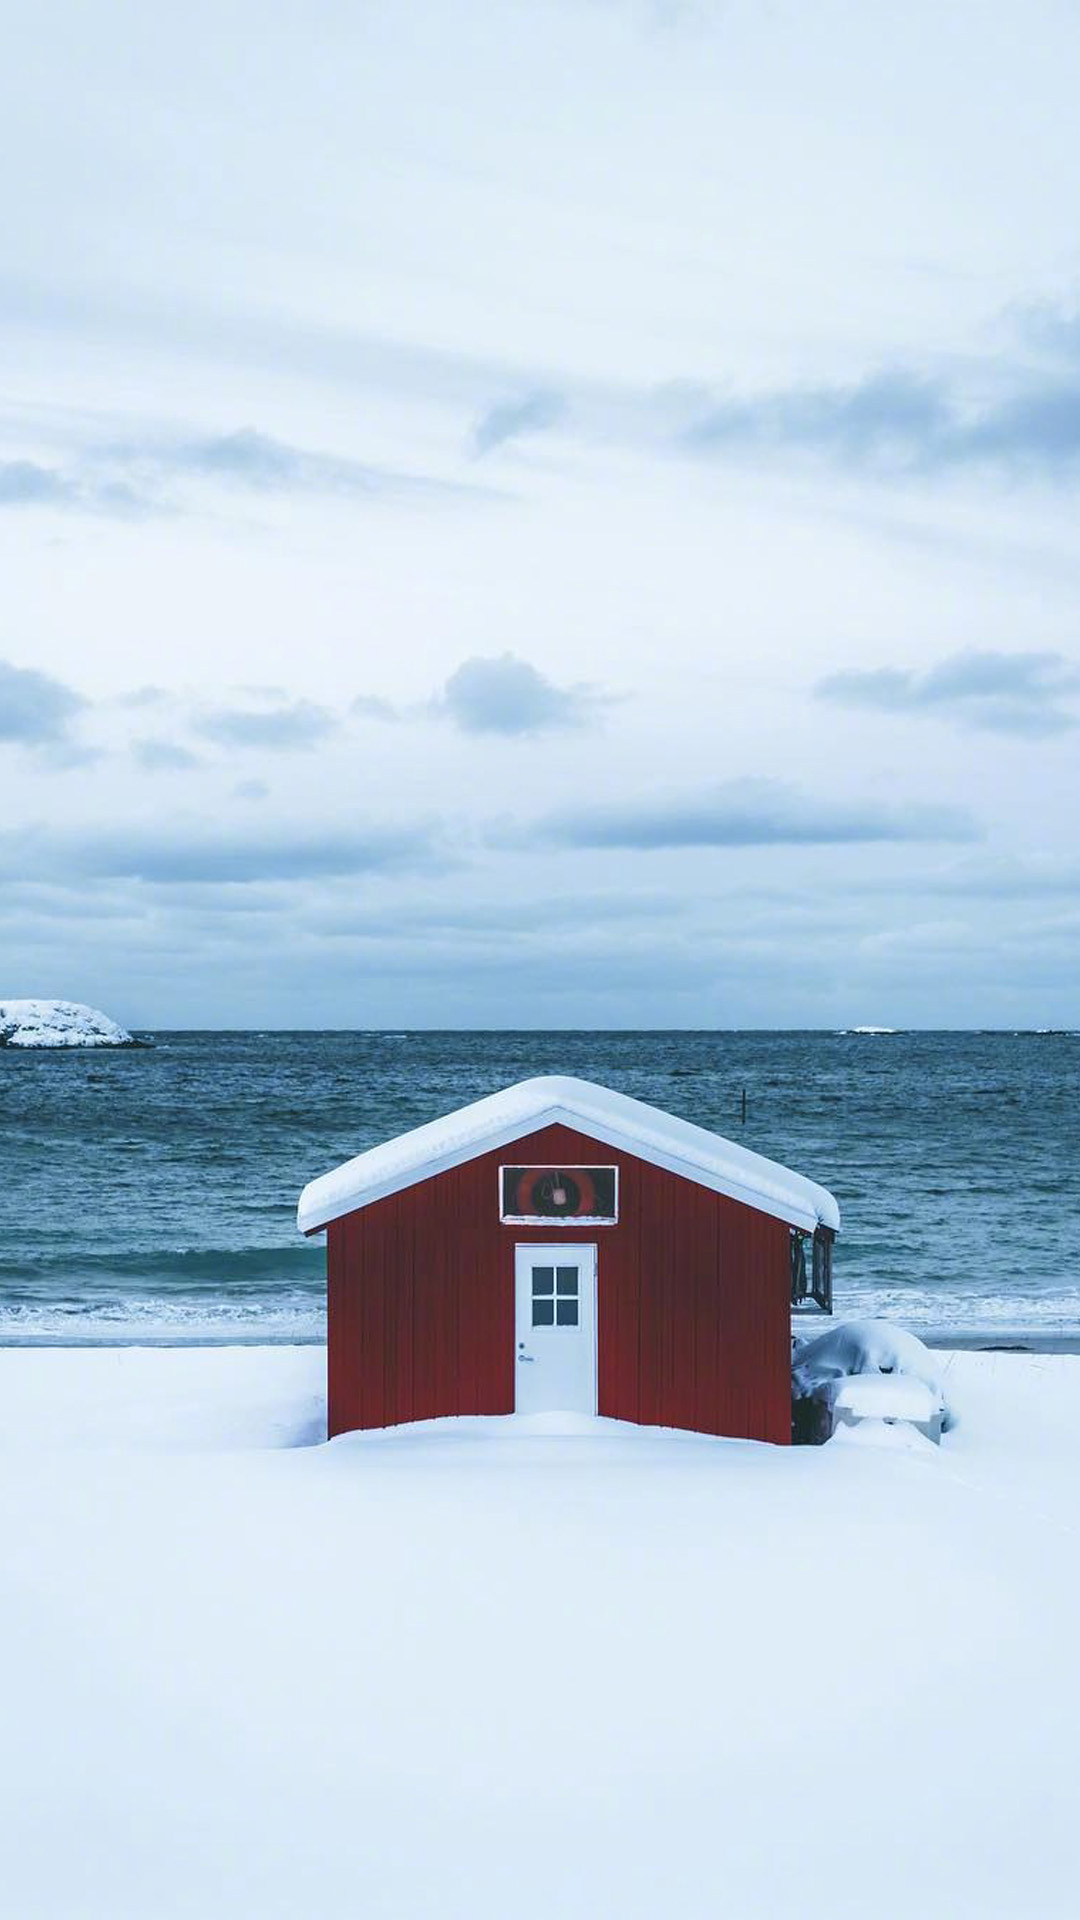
(693, 1327)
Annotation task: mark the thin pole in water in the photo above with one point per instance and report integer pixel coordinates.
(744, 1106)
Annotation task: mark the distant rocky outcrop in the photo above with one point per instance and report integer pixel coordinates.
(59, 1023)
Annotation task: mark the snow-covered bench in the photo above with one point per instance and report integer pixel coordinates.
(866, 1370)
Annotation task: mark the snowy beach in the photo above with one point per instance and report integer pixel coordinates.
(494, 1668)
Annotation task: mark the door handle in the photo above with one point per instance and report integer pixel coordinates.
(523, 1357)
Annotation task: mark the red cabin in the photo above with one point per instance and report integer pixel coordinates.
(559, 1247)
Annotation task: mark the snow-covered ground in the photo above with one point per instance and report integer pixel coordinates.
(502, 1670)
(58, 1023)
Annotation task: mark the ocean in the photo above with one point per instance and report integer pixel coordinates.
(150, 1195)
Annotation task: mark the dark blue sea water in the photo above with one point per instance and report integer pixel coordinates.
(151, 1194)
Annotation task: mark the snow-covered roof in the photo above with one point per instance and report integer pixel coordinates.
(612, 1118)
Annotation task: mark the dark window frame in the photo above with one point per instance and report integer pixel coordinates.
(812, 1283)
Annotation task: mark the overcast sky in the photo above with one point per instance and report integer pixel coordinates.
(541, 512)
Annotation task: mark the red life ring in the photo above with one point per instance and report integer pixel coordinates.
(537, 1194)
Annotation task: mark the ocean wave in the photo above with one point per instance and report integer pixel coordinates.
(958, 1308)
(162, 1321)
(232, 1270)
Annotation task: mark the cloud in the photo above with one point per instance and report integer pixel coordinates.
(752, 813)
(1039, 879)
(502, 694)
(368, 706)
(163, 756)
(297, 724)
(1019, 417)
(510, 419)
(174, 857)
(891, 416)
(25, 899)
(904, 423)
(251, 790)
(258, 461)
(500, 919)
(151, 475)
(23, 483)
(35, 709)
(1019, 693)
(31, 484)
(148, 696)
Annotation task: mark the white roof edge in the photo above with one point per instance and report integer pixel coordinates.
(615, 1119)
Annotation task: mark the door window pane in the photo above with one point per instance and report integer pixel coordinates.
(556, 1293)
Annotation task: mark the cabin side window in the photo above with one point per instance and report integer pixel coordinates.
(811, 1270)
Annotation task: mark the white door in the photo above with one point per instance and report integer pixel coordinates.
(555, 1329)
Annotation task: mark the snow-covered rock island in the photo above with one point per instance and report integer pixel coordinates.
(59, 1023)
